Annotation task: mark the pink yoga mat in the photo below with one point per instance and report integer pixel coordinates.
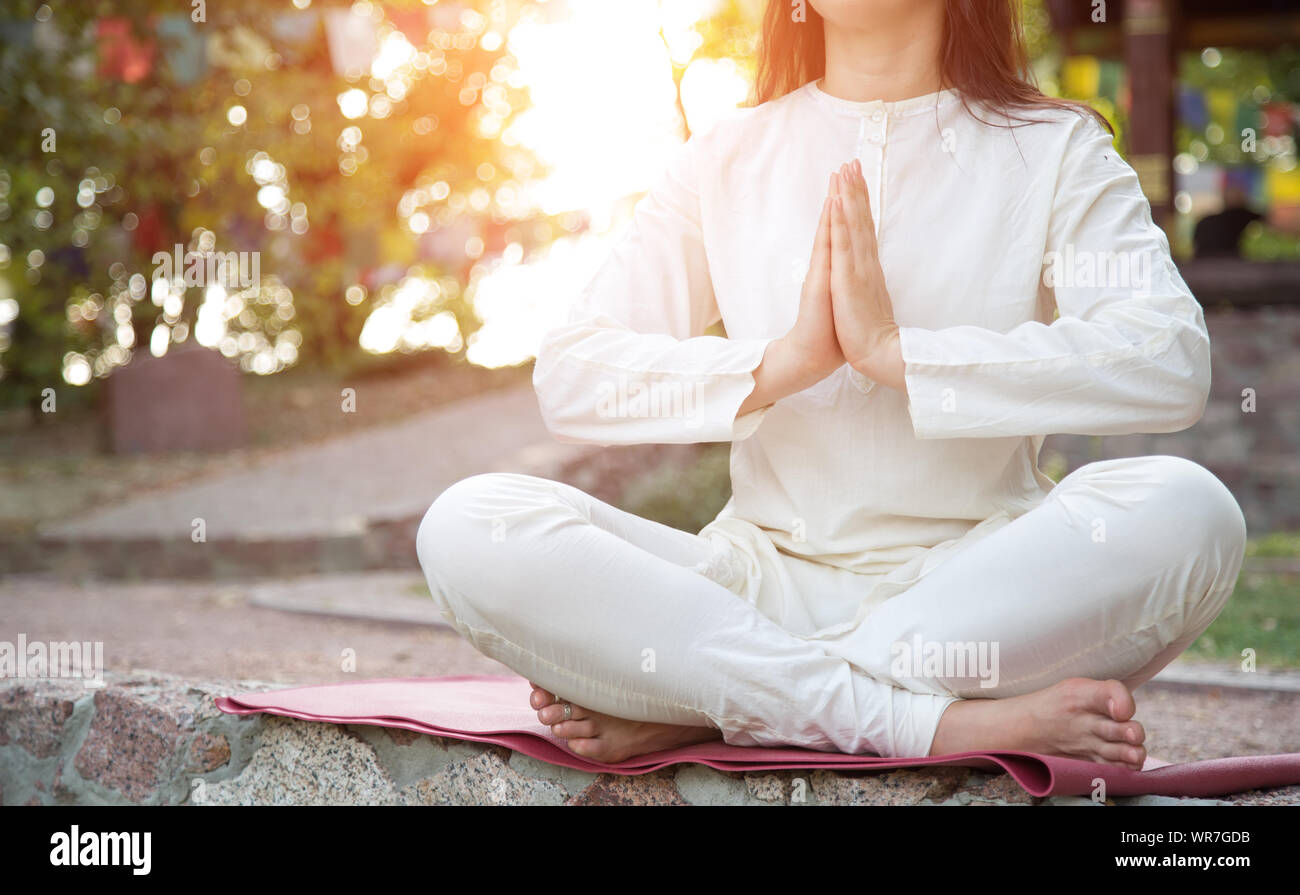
(494, 709)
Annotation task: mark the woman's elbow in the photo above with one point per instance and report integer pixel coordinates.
(566, 406)
(1191, 393)
(1192, 407)
(556, 416)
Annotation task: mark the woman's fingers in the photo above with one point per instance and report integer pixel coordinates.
(846, 190)
(818, 280)
(861, 227)
(841, 246)
(823, 241)
(866, 197)
(819, 269)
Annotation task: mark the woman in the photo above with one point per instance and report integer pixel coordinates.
(893, 573)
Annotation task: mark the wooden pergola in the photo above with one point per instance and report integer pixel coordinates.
(1147, 36)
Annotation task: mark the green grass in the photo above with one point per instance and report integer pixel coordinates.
(688, 497)
(1278, 543)
(1263, 615)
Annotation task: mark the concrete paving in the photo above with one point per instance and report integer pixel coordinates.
(337, 487)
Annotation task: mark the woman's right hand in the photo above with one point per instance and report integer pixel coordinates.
(810, 351)
(812, 339)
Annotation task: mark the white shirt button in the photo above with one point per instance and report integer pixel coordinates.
(877, 115)
(877, 139)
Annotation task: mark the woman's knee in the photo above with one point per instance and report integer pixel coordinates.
(1203, 534)
(1176, 502)
(467, 538)
(464, 516)
(1202, 508)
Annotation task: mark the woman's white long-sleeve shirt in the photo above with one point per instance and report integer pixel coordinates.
(985, 235)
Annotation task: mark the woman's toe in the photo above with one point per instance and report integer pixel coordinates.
(1129, 732)
(1121, 753)
(587, 747)
(554, 714)
(568, 730)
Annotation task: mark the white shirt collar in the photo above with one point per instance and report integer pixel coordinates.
(899, 108)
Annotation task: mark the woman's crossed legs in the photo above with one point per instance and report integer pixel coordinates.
(1030, 638)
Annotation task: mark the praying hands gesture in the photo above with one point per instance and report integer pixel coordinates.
(845, 314)
(864, 315)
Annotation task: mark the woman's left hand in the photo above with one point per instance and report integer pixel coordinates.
(864, 314)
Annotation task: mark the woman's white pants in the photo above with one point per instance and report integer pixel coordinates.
(1113, 575)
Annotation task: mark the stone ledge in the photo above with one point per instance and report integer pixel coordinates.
(152, 739)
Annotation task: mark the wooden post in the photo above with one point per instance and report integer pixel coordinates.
(1149, 55)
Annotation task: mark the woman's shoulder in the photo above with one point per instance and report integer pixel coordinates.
(1045, 139)
(737, 132)
(1052, 121)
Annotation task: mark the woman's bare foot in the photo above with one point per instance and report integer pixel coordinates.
(1076, 718)
(609, 739)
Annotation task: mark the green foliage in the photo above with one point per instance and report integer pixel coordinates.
(1261, 615)
(686, 498)
(1275, 544)
(140, 167)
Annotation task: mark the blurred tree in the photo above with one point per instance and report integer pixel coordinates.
(119, 145)
(730, 31)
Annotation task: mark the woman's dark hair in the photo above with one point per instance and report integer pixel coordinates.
(983, 58)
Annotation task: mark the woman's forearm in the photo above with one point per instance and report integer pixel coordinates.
(783, 371)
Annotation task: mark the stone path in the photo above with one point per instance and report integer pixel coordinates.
(336, 488)
(365, 596)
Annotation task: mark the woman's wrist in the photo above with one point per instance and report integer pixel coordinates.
(786, 368)
(883, 361)
(799, 368)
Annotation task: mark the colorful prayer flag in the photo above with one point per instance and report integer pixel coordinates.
(1277, 119)
(1192, 110)
(1081, 76)
(1112, 74)
(294, 32)
(184, 48)
(1283, 186)
(1223, 107)
(352, 41)
(413, 23)
(121, 56)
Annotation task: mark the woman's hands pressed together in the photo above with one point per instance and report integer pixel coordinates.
(810, 351)
(813, 334)
(845, 314)
(864, 315)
